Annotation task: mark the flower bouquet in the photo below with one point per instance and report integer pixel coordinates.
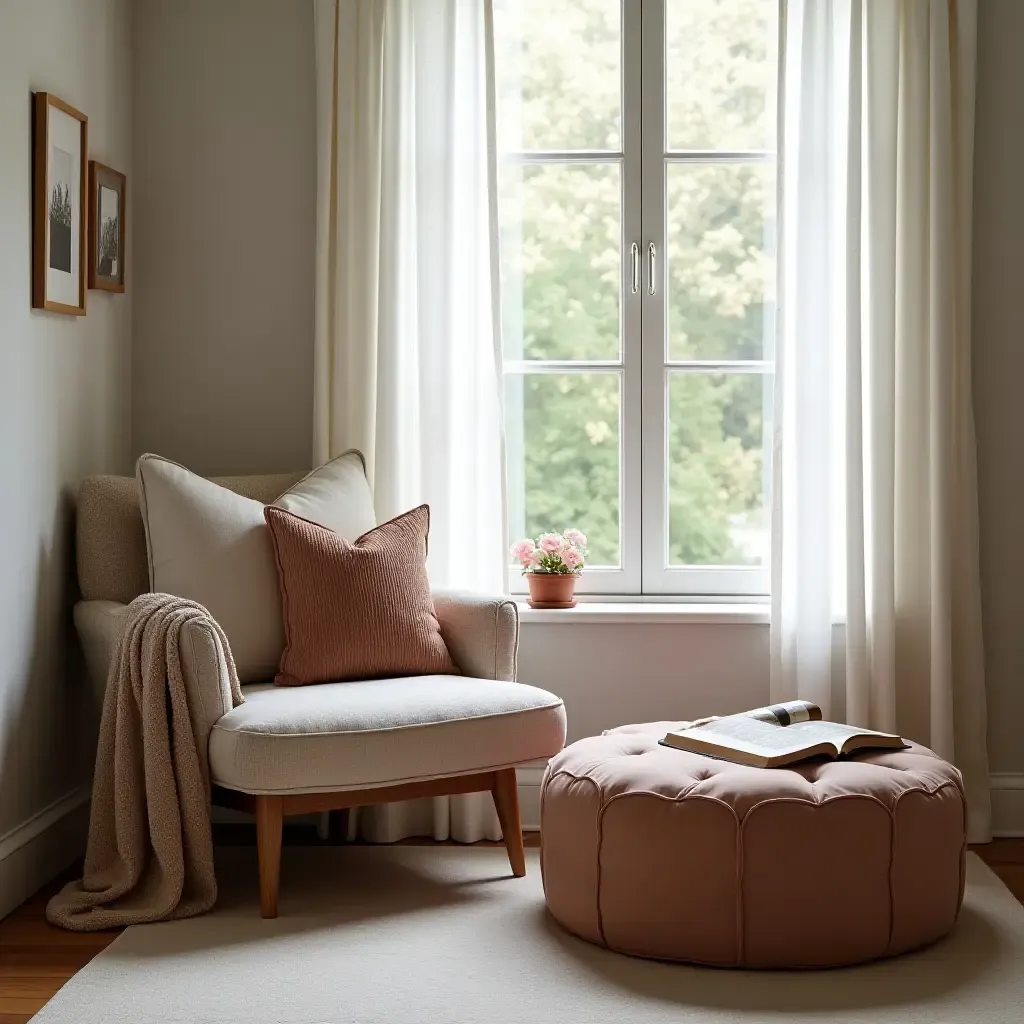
(551, 565)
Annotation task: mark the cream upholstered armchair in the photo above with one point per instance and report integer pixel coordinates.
(296, 750)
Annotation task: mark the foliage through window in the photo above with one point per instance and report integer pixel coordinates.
(637, 211)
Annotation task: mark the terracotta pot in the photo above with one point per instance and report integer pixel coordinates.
(552, 589)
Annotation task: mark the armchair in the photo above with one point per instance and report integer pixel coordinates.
(297, 750)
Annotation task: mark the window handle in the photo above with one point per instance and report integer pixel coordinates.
(634, 250)
(651, 252)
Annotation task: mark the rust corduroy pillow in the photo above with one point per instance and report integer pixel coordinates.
(356, 610)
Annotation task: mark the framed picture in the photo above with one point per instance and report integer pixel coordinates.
(106, 227)
(59, 213)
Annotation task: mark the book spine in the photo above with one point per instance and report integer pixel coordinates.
(790, 712)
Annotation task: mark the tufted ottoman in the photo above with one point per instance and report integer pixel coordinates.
(661, 853)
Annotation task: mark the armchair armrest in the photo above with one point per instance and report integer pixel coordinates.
(99, 625)
(481, 632)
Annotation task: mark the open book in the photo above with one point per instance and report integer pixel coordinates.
(778, 735)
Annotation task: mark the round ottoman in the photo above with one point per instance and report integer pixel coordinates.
(660, 853)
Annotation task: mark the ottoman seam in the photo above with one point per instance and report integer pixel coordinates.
(892, 853)
(574, 775)
(740, 865)
(548, 776)
(540, 812)
(597, 851)
(689, 794)
(892, 864)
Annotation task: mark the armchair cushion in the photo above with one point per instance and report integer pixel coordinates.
(380, 732)
(355, 610)
(99, 625)
(110, 540)
(209, 544)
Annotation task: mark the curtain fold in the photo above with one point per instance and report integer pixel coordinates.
(407, 346)
(875, 519)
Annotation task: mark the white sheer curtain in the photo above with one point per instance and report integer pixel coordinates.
(407, 327)
(875, 496)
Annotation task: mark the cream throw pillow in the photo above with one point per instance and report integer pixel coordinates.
(213, 546)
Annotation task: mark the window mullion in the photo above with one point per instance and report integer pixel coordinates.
(654, 441)
(632, 314)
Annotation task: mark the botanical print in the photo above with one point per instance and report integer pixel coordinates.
(109, 233)
(62, 169)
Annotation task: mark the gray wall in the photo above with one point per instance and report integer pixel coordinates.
(998, 315)
(64, 407)
(225, 194)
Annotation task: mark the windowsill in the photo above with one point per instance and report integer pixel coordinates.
(638, 613)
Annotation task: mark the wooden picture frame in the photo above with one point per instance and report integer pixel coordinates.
(60, 212)
(107, 216)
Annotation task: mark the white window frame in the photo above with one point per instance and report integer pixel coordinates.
(644, 366)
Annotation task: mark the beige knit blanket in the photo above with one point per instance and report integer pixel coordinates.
(150, 849)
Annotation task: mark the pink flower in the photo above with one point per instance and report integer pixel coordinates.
(575, 538)
(550, 543)
(524, 552)
(572, 558)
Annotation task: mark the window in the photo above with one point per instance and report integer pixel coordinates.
(637, 212)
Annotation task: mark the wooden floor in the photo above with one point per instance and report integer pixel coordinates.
(36, 959)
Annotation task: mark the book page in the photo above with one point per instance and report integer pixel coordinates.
(758, 737)
(837, 733)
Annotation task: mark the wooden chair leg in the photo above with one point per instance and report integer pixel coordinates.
(506, 801)
(269, 825)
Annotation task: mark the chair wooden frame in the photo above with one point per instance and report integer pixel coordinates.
(270, 811)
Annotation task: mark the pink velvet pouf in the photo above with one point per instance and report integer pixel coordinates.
(660, 853)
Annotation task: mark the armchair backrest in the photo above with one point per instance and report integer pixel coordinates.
(111, 540)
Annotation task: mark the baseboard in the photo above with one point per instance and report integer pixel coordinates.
(1007, 804)
(42, 847)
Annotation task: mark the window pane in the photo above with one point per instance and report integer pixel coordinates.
(563, 450)
(558, 74)
(561, 261)
(721, 261)
(720, 70)
(718, 468)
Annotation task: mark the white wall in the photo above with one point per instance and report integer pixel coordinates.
(225, 193)
(64, 413)
(613, 674)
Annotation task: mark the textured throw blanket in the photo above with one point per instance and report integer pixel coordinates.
(150, 849)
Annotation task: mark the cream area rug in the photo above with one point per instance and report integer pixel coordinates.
(414, 935)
